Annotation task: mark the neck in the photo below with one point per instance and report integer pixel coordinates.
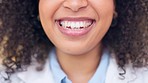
(80, 67)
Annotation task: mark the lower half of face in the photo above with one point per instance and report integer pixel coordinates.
(76, 26)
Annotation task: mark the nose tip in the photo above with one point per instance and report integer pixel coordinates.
(75, 5)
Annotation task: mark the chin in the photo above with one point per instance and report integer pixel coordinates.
(75, 50)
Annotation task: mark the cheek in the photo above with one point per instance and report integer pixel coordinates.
(46, 12)
(103, 7)
(47, 8)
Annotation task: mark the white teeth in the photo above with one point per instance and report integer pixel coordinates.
(72, 25)
(75, 24)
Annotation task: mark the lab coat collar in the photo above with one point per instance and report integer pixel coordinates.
(34, 76)
(45, 76)
(131, 76)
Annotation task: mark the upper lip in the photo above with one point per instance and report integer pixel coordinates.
(74, 19)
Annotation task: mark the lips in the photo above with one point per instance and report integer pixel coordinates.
(75, 26)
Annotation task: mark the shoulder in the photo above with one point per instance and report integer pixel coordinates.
(138, 75)
(32, 75)
(4, 76)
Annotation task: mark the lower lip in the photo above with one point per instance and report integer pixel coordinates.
(70, 32)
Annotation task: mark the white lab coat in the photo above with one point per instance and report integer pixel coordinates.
(45, 76)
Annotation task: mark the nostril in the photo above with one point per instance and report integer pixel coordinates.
(75, 5)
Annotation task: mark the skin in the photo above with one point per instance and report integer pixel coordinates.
(83, 52)
(0, 60)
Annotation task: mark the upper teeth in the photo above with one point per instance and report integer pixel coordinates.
(75, 24)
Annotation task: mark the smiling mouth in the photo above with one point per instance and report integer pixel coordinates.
(75, 27)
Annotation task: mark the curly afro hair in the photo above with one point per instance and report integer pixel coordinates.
(22, 36)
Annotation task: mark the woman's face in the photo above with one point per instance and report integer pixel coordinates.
(76, 26)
